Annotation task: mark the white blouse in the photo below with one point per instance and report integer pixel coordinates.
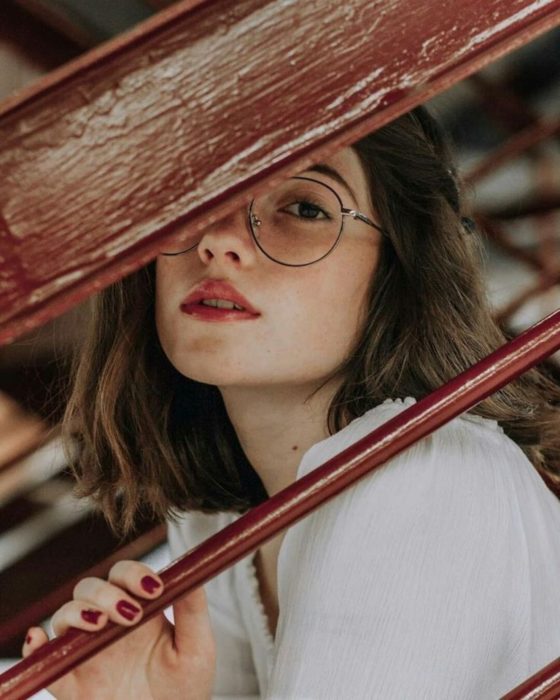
(436, 576)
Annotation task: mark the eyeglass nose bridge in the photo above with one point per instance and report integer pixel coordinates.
(252, 218)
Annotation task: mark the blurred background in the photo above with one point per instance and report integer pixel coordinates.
(505, 125)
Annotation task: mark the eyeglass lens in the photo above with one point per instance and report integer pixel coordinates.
(298, 223)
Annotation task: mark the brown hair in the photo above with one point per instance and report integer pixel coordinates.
(152, 442)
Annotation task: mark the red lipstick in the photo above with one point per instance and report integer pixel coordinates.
(217, 290)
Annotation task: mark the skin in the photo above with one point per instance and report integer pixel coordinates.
(265, 369)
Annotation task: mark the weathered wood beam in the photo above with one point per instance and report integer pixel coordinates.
(184, 118)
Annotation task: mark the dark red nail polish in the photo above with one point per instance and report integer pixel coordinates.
(149, 584)
(28, 639)
(91, 616)
(127, 610)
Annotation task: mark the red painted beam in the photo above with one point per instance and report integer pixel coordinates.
(182, 119)
(540, 204)
(15, 627)
(495, 232)
(285, 508)
(544, 685)
(514, 147)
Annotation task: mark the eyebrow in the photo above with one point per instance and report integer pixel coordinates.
(325, 169)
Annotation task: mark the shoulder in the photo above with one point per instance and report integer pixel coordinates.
(470, 451)
(188, 529)
(429, 557)
(417, 531)
(463, 487)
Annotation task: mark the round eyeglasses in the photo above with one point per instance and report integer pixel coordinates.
(299, 223)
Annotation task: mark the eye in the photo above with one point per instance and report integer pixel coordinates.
(307, 210)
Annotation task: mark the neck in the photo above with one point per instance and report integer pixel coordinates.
(276, 426)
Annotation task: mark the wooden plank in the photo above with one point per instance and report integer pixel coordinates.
(187, 116)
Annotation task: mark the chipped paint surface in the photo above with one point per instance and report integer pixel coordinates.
(518, 17)
(180, 125)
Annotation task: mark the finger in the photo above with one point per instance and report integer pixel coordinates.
(137, 578)
(193, 631)
(35, 638)
(77, 613)
(116, 602)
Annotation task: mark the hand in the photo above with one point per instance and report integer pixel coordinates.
(158, 661)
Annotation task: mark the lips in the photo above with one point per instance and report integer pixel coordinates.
(216, 289)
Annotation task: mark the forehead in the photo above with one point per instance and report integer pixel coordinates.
(347, 163)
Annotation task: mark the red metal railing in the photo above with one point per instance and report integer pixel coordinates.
(298, 500)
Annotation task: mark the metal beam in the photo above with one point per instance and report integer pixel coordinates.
(299, 499)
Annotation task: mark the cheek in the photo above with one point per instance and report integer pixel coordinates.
(344, 291)
(169, 291)
(325, 314)
(162, 311)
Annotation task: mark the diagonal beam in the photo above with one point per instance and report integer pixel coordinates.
(15, 626)
(502, 103)
(299, 499)
(182, 119)
(539, 205)
(514, 147)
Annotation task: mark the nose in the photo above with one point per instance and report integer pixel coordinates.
(228, 241)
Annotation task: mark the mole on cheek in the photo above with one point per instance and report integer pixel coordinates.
(295, 448)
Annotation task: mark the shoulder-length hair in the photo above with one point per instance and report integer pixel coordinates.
(153, 442)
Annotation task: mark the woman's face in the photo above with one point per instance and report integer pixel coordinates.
(308, 317)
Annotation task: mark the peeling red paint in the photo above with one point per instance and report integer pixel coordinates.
(189, 114)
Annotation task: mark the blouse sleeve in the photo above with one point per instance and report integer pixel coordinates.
(412, 583)
(235, 677)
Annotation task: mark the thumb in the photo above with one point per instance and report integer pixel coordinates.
(193, 631)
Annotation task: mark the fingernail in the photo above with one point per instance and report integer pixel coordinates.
(28, 639)
(91, 616)
(149, 584)
(127, 610)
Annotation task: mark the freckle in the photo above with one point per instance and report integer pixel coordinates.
(295, 448)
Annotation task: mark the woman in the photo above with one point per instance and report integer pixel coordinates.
(252, 352)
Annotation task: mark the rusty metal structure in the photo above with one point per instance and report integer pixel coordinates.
(108, 156)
